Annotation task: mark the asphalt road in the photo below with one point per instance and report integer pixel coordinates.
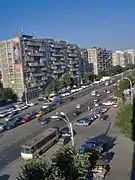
(97, 129)
(11, 141)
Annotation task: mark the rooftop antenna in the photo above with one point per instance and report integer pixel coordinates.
(34, 34)
(22, 30)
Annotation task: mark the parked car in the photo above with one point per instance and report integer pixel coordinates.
(116, 105)
(44, 120)
(26, 119)
(77, 112)
(40, 114)
(14, 123)
(2, 126)
(85, 121)
(78, 106)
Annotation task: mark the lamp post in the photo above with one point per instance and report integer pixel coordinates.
(70, 126)
(131, 87)
(26, 99)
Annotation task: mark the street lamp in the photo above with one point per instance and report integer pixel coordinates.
(131, 87)
(66, 120)
(26, 99)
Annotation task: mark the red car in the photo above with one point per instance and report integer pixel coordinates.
(26, 119)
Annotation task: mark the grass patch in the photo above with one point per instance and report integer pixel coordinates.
(123, 119)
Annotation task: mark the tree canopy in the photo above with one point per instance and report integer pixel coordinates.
(7, 93)
(66, 164)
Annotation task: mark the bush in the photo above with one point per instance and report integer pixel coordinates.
(124, 118)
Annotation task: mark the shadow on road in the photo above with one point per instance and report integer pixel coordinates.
(4, 177)
(133, 138)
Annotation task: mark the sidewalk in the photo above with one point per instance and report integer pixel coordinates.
(121, 164)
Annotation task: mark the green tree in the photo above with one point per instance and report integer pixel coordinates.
(48, 90)
(86, 77)
(56, 84)
(116, 69)
(66, 80)
(123, 84)
(66, 164)
(102, 73)
(7, 93)
(71, 163)
(124, 118)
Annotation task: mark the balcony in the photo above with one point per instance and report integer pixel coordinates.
(33, 64)
(58, 63)
(57, 55)
(53, 59)
(73, 62)
(38, 54)
(43, 69)
(28, 49)
(42, 83)
(41, 49)
(57, 46)
(54, 67)
(72, 55)
(29, 59)
(63, 67)
(74, 69)
(38, 74)
(58, 71)
(42, 59)
(41, 64)
(53, 50)
(33, 43)
(29, 70)
(44, 78)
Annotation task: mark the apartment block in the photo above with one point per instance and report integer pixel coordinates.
(120, 58)
(100, 58)
(24, 62)
(131, 56)
(28, 64)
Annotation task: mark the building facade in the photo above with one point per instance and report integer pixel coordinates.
(100, 58)
(29, 63)
(121, 58)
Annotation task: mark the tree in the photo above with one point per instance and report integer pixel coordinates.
(86, 77)
(66, 80)
(124, 118)
(66, 164)
(56, 84)
(102, 73)
(7, 93)
(48, 90)
(123, 84)
(116, 69)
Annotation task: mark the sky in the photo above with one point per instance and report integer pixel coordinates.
(102, 23)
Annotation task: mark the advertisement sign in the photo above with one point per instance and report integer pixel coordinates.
(16, 50)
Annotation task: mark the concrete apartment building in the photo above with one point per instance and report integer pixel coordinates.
(28, 63)
(123, 58)
(100, 58)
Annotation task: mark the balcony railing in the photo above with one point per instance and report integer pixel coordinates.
(74, 69)
(72, 55)
(32, 43)
(38, 74)
(44, 78)
(58, 63)
(58, 71)
(41, 64)
(57, 46)
(53, 58)
(37, 54)
(54, 67)
(57, 55)
(43, 69)
(63, 67)
(33, 64)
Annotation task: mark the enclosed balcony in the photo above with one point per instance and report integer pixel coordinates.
(37, 54)
(72, 55)
(38, 74)
(57, 55)
(58, 71)
(33, 64)
(58, 63)
(43, 69)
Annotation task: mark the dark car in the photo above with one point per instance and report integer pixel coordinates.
(44, 120)
(97, 143)
(77, 112)
(14, 123)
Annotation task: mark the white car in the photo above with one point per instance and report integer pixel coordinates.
(78, 106)
(109, 103)
(108, 91)
(115, 105)
(96, 104)
(30, 104)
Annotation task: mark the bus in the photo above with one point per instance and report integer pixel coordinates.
(40, 144)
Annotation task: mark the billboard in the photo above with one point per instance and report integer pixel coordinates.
(16, 50)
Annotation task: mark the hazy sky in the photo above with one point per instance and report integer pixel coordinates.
(104, 23)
